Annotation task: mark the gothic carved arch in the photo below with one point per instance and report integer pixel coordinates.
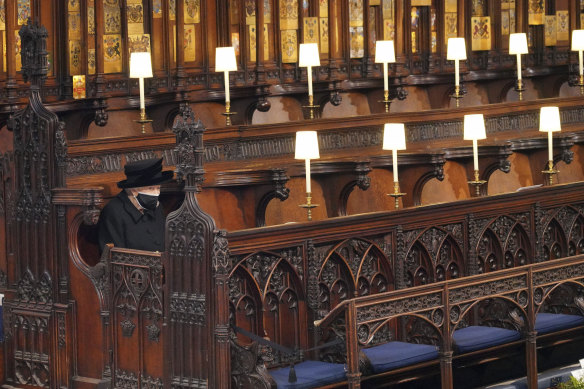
(518, 250)
(353, 267)
(245, 302)
(489, 253)
(418, 270)
(554, 241)
(576, 237)
(434, 254)
(503, 243)
(565, 297)
(266, 297)
(499, 311)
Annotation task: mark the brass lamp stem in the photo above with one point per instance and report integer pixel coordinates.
(477, 183)
(308, 206)
(396, 194)
(550, 172)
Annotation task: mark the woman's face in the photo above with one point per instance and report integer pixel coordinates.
(153, 190)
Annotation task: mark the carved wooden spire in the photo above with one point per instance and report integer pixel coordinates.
(35, 64)
(190, 149)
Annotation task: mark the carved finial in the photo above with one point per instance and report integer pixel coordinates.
(33, 38)
(189, 148)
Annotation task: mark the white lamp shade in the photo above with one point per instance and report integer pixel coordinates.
(306, 145)
(140, 65)
(577, 40)
(549, 119)
(225, 59)
(394, 136)
(384, 52)
(308, 55)
(456, 49)
(474, 127)
(518, 43)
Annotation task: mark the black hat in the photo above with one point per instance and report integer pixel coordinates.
(145, 173)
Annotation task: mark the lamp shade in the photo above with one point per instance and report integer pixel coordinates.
(577, 40)
(140, 65)
(456, 49)
(549, 119)
(308, 55)
(225, 59)
(306, 145)
(394, 136)
(474, 127)
(384, 52)
(518, 43)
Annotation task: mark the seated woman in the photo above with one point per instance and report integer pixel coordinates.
(134, 219)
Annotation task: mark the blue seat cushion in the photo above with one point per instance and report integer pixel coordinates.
(309, 374)
(478, 337)
(392, 355)
(550, 322)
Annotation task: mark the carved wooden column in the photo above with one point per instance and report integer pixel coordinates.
(35, 309)
(10, 9)
(335, 38)
(530, 345)
(222, 23)
(353, 374)
(221, 267)
(196, 308)
(401, 20)
(99, 32)
(179, 47)
(446, 347)
(209, 22)
(260, 71)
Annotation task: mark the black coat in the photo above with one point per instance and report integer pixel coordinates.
(122, 224)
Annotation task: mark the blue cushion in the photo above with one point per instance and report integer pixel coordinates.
(309, 374)
(392, 355)
(479, 337)
(550, 322)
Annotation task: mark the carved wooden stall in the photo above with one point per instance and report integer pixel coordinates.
(134, 319)
(88, 75)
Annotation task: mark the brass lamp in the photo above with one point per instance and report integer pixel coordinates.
(385, 53)
(309, 57)
(549, 121)
(394, 139)
(456, 52)
(578, 45)
(474, 129)
(225, 62)
(140, 68)
(518, 46)
(307, 149)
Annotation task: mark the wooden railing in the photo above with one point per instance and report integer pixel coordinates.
(444, 305)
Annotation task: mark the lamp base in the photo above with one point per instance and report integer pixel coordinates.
(550, 172)
(308, 206)
(311, 108)
(143, 120)
(227, 115)
(477, 183)
(581, 84)
(396, 194)
(457, 95)
(519, 87)
(386, 101)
